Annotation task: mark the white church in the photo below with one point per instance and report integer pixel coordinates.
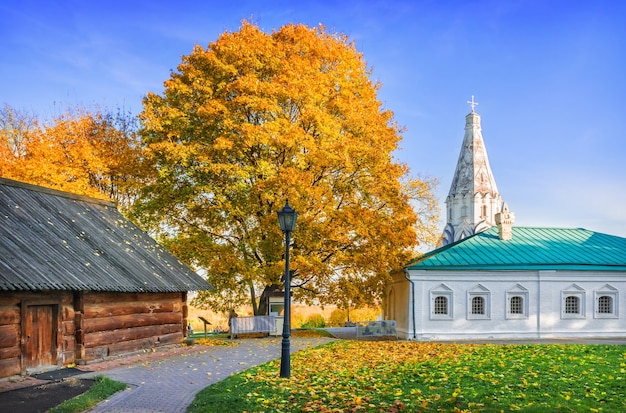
(494, 280)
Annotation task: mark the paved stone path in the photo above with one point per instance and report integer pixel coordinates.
(168, 380)
(170, 385)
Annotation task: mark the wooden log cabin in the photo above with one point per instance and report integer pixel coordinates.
(79, 282)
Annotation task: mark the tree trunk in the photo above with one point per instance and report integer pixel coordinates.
(262, 307)
(255, 305)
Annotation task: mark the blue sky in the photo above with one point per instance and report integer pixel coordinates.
(549, 77)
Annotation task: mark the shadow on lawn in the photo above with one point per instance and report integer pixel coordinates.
(43, 397)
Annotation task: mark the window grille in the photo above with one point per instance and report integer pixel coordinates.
(605, 304)
(478, 305)
(517, 305)
(572, 305)
(441, 305)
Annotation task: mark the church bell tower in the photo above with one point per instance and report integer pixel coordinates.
(473, 200)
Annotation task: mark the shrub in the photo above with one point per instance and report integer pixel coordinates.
(314, 321)
(340, 316)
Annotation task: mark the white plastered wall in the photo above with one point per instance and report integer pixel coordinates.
(543, 293)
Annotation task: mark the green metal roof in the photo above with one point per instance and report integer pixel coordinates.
(531, 248)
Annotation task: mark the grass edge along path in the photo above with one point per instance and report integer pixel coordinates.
(357, 376)
(102, 389)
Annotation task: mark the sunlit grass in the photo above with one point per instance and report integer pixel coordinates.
(429, 377)
(214, 342)
(310, 333)
(101, 390)
(224, 340)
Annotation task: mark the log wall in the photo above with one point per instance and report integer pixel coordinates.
(11, 337)
(92, 325)
(114, 323)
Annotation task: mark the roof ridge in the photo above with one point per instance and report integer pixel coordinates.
(542, 227)
(56, 192)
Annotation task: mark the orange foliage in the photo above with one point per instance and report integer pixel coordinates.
(90, 153)
(256, 118)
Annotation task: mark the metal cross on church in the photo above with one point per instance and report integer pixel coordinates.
(472, 103)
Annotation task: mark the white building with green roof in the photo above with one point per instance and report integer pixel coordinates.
(498, 281)
(542, 283)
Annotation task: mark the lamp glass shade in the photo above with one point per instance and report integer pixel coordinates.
(287, 218)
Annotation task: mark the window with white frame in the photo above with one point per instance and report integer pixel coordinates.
(441, 303)
(478, 303)
(517, 302)
(573, 302)
(606, 302)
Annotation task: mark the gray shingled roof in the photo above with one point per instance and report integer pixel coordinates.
(52, 240)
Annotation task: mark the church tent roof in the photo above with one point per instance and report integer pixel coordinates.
(53, 240)
(531, 248)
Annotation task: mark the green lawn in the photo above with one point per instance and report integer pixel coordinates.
(102, 389)
(351, 376)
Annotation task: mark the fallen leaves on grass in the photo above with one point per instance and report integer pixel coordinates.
(306, 333)
(351, 376)
(215, 342)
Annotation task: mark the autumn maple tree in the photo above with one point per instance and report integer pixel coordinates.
(255, 119)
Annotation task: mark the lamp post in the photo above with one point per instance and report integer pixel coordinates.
(287, 220)
(349, 304)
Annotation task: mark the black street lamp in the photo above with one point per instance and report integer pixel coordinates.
(349, 304)
(287, 220)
